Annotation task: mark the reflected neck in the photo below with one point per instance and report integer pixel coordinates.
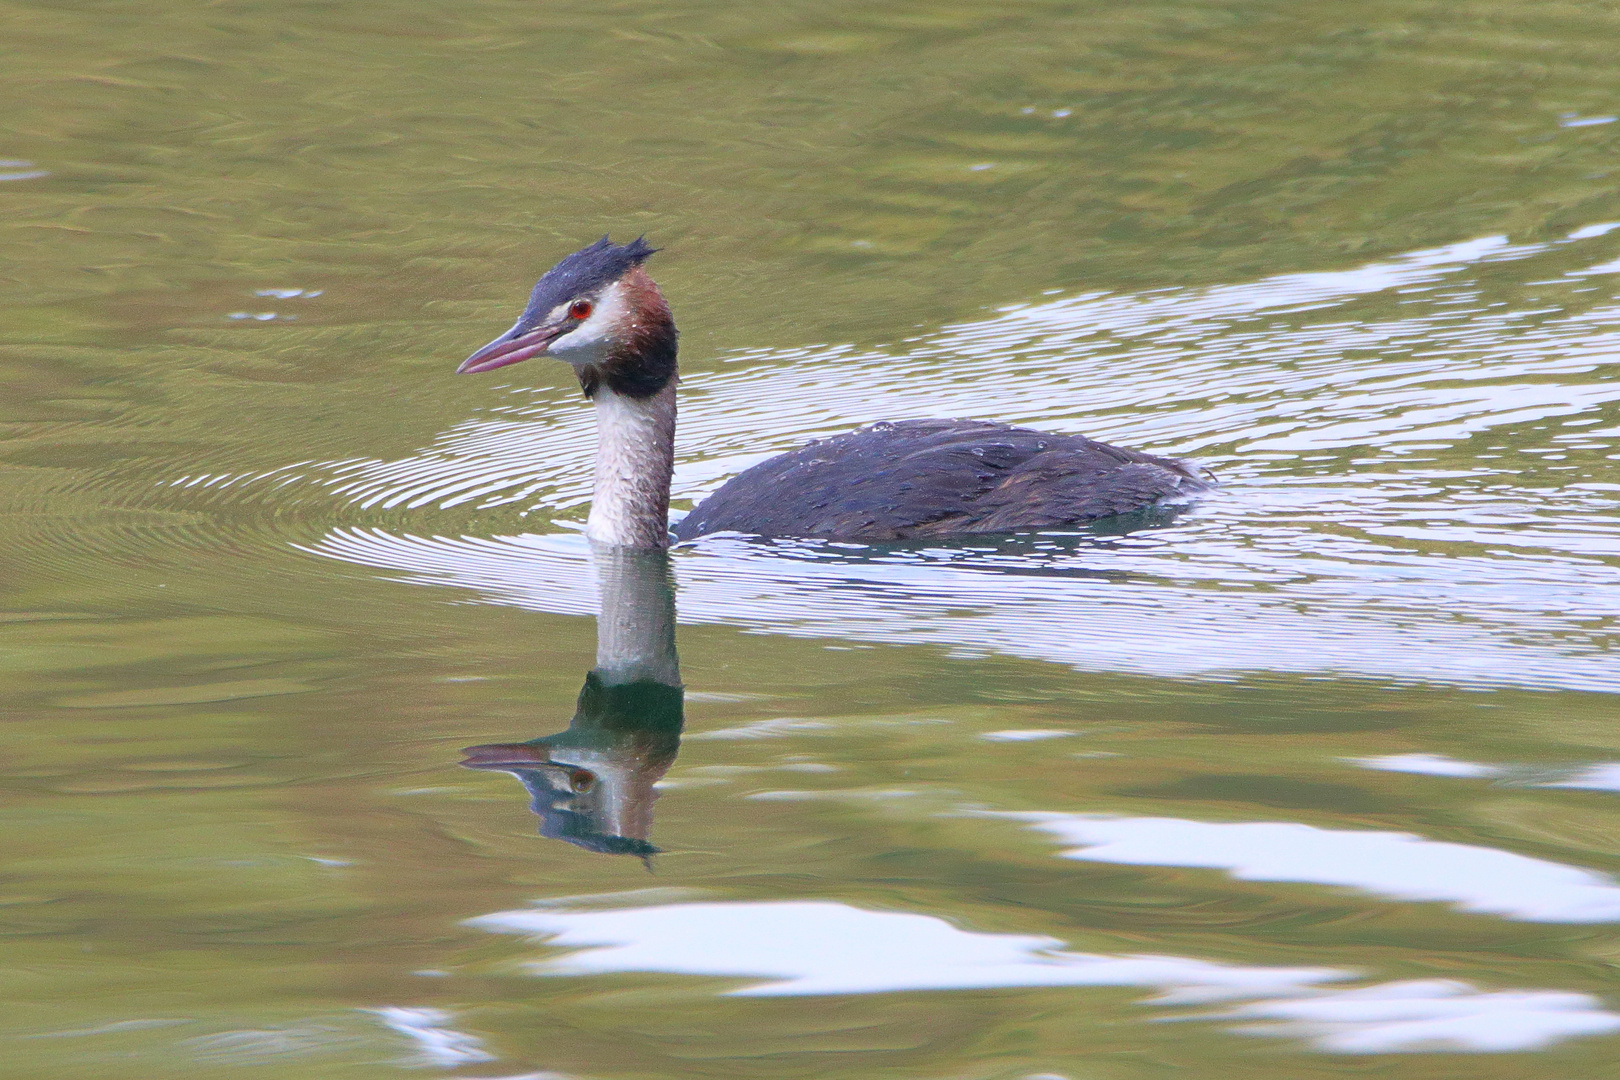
(635, 629)
(635, 456)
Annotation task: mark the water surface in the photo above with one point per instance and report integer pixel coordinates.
(1317, 781)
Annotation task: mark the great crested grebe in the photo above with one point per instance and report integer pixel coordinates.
(599, 311)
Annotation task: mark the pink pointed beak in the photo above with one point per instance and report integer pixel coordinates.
(509, 350)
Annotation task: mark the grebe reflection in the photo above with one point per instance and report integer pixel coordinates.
(592, 785)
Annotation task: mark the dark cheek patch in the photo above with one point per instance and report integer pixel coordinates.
(644, 362)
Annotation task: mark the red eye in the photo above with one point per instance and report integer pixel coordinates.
(580, 309)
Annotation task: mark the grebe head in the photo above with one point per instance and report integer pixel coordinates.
(599, 311)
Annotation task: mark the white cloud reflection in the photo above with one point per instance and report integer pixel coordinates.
(1025, 735)
(1427, 1014)
(436, 1042)
(794, 947)
(1604, 776)
(1392, 865)
(787, 948)
(1427, 765)
(1596, 776)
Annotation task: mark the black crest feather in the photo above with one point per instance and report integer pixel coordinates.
(585, 273)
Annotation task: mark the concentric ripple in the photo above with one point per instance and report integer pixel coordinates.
(1419, 482)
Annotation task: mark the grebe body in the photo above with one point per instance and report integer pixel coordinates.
(600, 311)
(938, 478)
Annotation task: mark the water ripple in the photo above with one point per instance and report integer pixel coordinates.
(1124, 609)
(1420, 482)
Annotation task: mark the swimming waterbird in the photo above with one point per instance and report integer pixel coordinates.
(599, 311)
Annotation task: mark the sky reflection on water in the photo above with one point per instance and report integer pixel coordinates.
(1598, 776)
(808, 948)
(1395, 866)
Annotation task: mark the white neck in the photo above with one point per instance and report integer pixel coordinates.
(635, 455)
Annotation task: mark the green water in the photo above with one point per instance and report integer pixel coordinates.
(1338, 749)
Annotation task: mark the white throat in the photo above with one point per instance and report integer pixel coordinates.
(635, 456)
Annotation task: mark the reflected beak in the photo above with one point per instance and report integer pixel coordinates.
(509, 350)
